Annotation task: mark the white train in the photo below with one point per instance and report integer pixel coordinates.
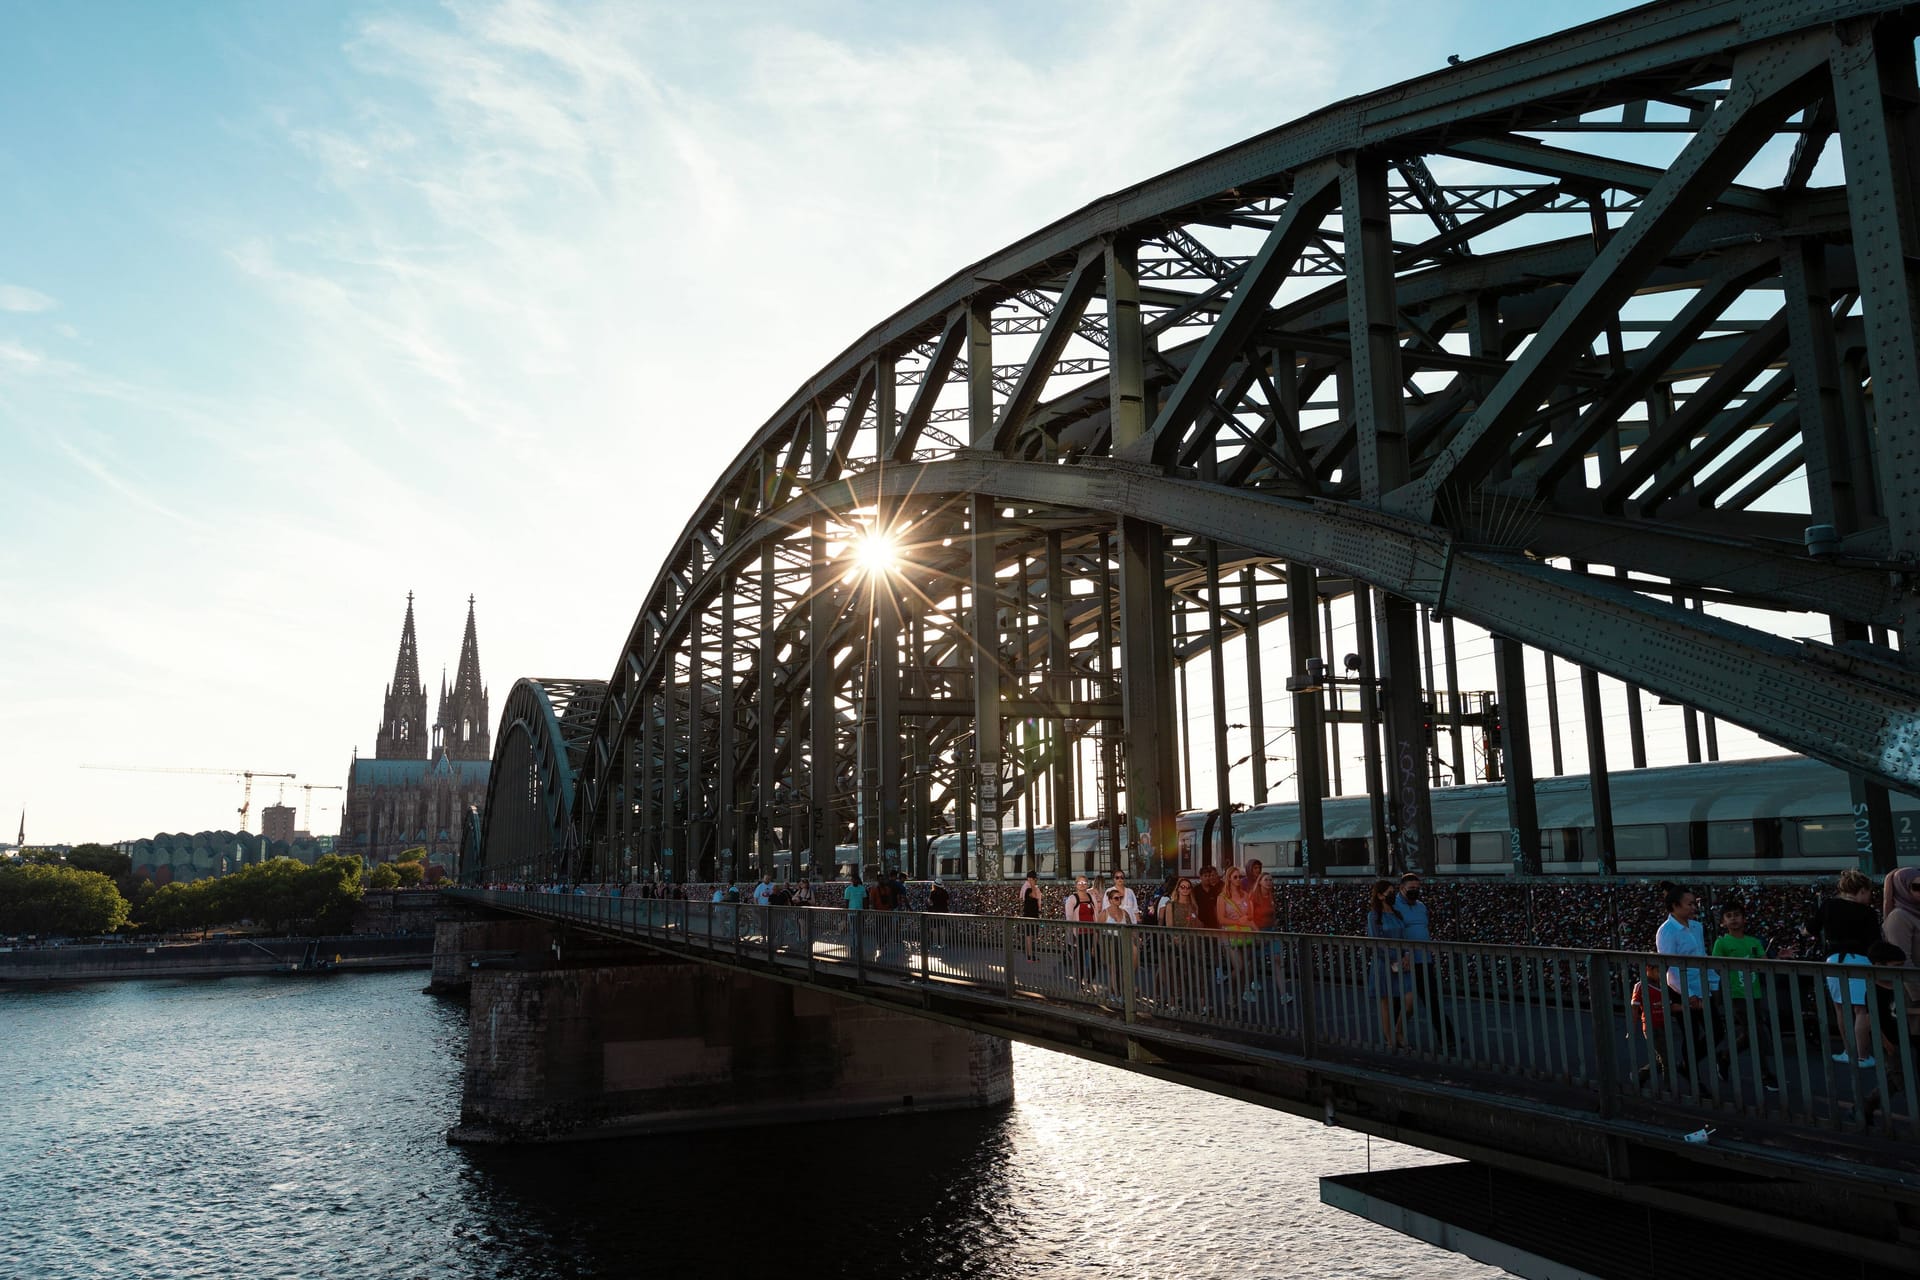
(1734, 817)
(1783, 814)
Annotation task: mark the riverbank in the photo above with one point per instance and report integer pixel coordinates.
(117, 961)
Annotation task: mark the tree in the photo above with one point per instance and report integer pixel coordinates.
(416, 854)
(35, 898)
(411, 873)
(383, 876)
(111, 863)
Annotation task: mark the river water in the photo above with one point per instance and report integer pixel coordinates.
(284, 1127)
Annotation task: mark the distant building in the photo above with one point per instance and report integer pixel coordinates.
(416, 789)
(276, 823)
(167, 858)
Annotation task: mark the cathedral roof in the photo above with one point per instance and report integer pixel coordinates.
(401, 773)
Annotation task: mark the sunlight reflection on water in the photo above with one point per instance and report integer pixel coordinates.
(270, 1127)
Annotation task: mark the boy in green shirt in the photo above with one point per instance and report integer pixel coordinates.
(1751, 1023)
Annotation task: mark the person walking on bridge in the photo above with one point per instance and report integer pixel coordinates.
(856, 897)
(1388, 981)
(1692, 1009)
(1030, 899)
(1424, 982)
(1848, 926)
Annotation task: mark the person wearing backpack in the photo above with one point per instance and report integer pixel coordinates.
(1080, 907)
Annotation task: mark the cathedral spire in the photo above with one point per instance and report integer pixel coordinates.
(403, 721)
(463, 708)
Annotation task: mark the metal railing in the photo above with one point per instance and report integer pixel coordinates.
(1755, 1051)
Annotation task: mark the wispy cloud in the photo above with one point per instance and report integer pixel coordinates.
(88, 461)
(15, 297)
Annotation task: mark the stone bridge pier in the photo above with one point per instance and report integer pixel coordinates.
(586, 1039)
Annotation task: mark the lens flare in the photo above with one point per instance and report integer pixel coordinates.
(876, 554)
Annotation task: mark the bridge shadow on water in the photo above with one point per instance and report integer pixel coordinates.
(911, 1195)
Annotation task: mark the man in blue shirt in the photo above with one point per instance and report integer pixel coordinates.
(1426, 974)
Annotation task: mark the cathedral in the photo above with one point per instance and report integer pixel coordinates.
(415, 791)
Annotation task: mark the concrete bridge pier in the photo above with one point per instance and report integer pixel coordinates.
(628, 1043)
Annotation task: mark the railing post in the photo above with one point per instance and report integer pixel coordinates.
(924, 946)
(1606, 1050)
(1006, 936)
(859, 946)
(1303, 995)
(1124, 962)
(806, 914)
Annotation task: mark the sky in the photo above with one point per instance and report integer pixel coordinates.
(304, 307)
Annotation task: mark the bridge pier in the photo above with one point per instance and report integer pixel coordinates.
(645, 1045)
(458, 944)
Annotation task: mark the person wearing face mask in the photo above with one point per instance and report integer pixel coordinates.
(1426, 974)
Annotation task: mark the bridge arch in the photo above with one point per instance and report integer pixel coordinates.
(1629, 386)
(527, 831)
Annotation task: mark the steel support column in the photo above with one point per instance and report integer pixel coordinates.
(1409, 778)
(1256, 692)
(983, 621)
(1308, 742)
(1216, 651)
(1516, 750)
(1060, 687)
(822, 764)
(766, 766)
(1875, 97)
(1146, 655)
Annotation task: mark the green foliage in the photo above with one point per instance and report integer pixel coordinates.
(383, 876)
(36, 898)
(282, 895)
(411, 874)
(99, 857)
(415, 854)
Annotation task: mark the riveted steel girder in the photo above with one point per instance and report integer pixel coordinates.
(1429, 388)
(1858, 713)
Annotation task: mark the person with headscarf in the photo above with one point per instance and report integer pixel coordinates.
(1900, 923)
(1900, 910)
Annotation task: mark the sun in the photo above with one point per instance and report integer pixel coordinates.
(876, 554)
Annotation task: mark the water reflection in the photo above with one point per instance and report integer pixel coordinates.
(267, 1127)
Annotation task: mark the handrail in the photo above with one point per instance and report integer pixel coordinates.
(1557, 1026)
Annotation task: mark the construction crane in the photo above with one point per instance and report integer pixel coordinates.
(246, 795)
(306, 805)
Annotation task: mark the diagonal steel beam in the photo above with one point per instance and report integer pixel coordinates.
(1315, 192)
(1764, 90)
(1854, 711)
(1074, 295)
(939, 366)
(1742, 267)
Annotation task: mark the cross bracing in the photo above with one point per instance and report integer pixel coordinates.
(1603, 344)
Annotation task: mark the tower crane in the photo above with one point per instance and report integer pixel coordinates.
(306, 804)
(246, 795)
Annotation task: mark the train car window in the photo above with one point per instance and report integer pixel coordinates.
(1825, 835)
(1289, 853)
(1640, 844)
(1731, 840)
(1350, 852)
(1906, 835)
(1563, 844)
(1487, 846)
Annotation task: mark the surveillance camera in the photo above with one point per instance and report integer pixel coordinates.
(1353, 662)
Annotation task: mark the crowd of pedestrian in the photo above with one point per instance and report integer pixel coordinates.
(1688, 1019)
(1680, 1009)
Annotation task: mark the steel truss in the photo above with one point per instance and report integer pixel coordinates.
(1585, 342)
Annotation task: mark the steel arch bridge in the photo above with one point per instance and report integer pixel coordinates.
(544, 731)
(1605, 344)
